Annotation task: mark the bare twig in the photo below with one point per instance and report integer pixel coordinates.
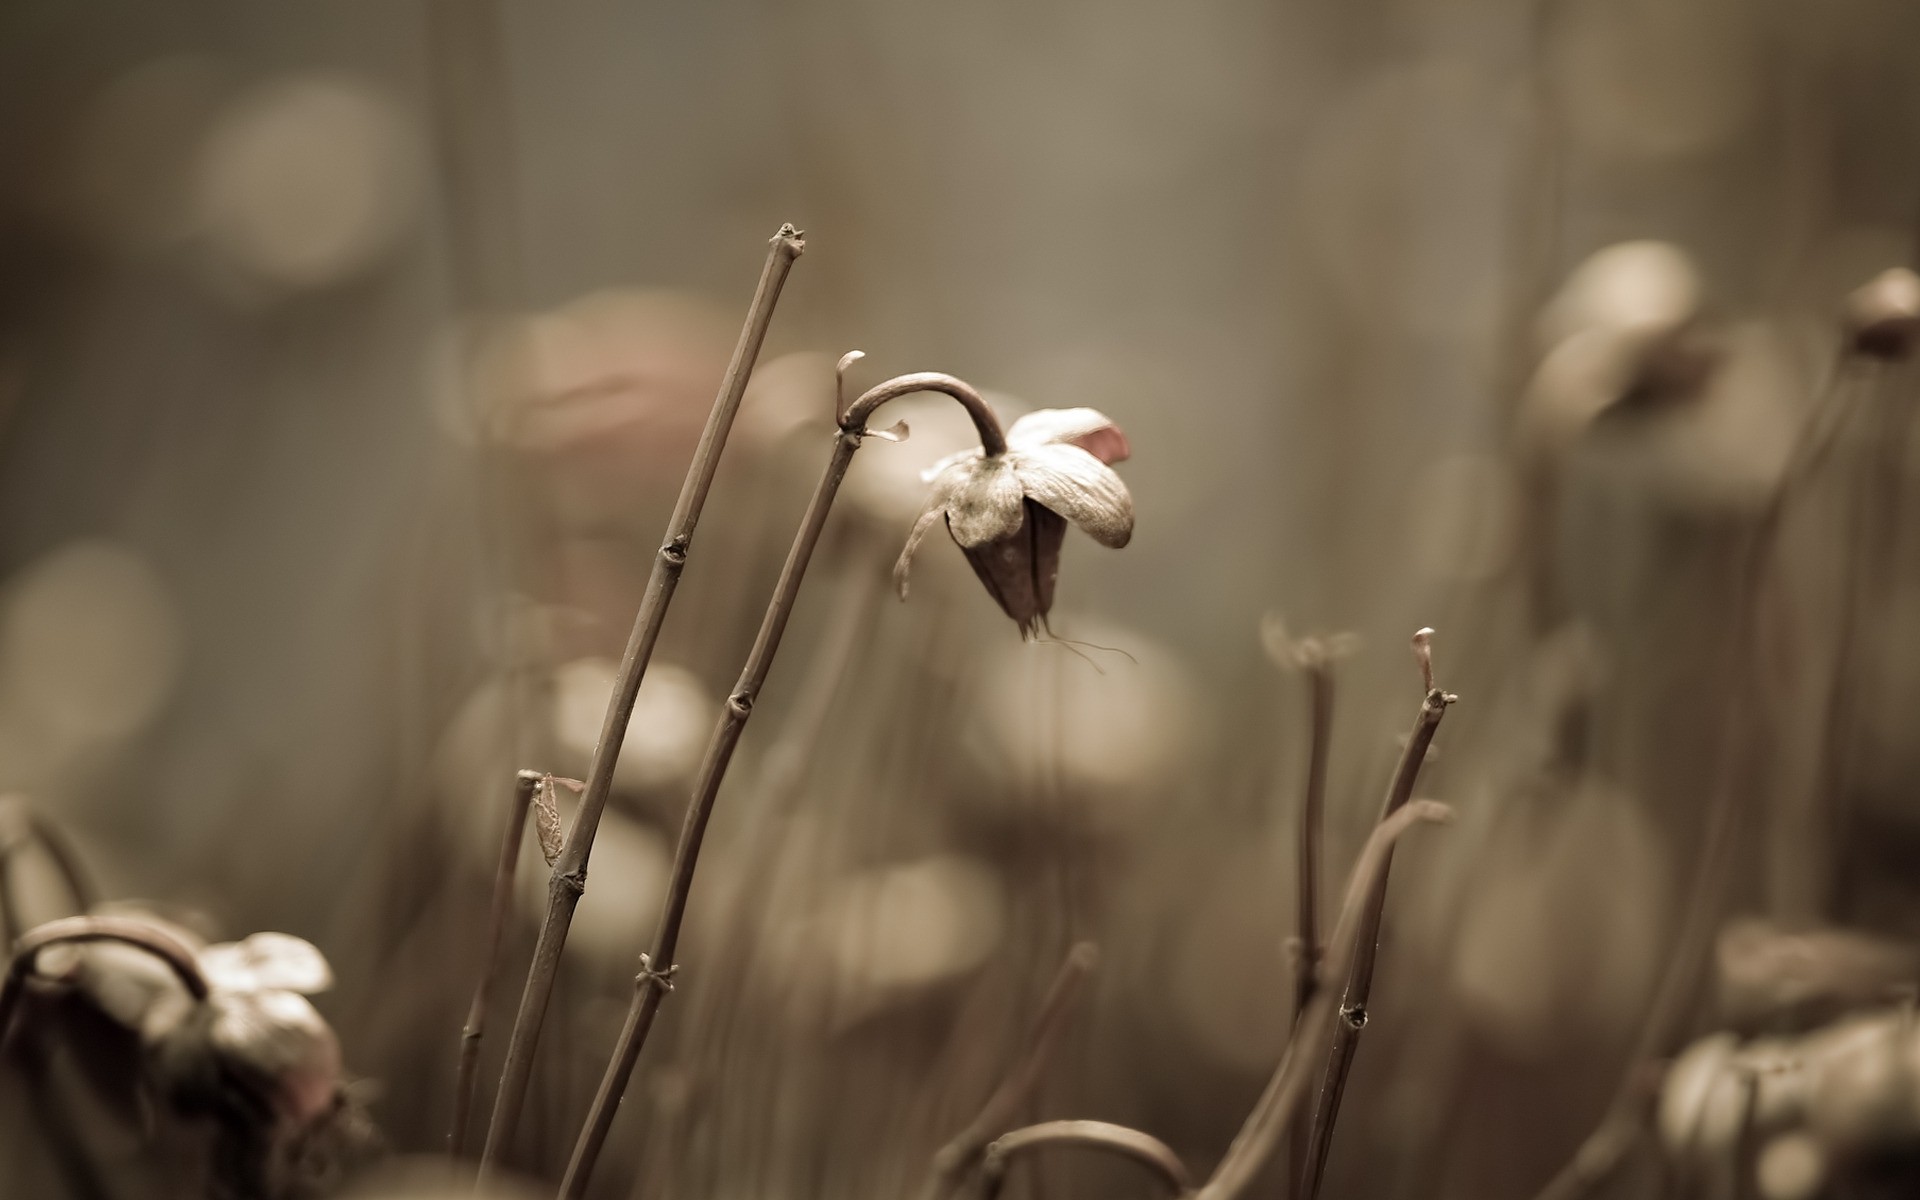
(657, 966)
(1143, 1148)
(953, 1160)
(569, 877)
(1618, 1130)
(22, 825)
(1260, 1134)
(129, 932)
(1359, 981)
(503, 875)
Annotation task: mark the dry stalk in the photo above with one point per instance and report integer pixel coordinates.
(21, 825)
(501, 907)
(1359, 979)
(569, 877)
(1619, 1127)
(1142, 1148)
(657, 965)
(965, 1149)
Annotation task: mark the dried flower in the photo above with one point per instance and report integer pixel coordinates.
(1883, 315)
(1008, 512)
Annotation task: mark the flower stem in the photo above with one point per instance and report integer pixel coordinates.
(1359, 978)
(129, 932)
(569, 877)
(22, 825)
(965, 1148)
(1306, 964)
(503, 874)
(1142, 1148)
(657, 967)
(1253, 1146)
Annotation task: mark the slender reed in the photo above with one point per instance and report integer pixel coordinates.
(953, 1160)
(1316, 666)
(502, 905)
(1359, 979)
(1260, 1134)
(1619, 1126)
(569, 877)
(657, 965)
(138, 934)
(1143, 1148)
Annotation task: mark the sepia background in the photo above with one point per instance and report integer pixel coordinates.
(351, 355)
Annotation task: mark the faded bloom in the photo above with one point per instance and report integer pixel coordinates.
(1883, 314)
(1008, 512)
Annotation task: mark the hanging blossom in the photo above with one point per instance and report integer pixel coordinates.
(1008, 512)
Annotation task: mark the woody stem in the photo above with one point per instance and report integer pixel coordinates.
(654, 981)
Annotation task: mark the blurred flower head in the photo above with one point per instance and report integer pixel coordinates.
(1008, 512)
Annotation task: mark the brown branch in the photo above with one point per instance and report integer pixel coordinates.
(1260, 1134)
(1359, 980)
(1616, 1133)
(657, 966)
(1142, 1148)
(1317, 668)
(964, 1149)
(502, 906)
(125, 930)
(569, 878)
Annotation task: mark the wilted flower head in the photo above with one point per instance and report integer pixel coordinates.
(1009, 511)
(1883, 315)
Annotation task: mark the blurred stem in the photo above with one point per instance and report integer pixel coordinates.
(137, 934)
(502, 906)
(1359, 979)
(22, 825)
(1260, 1134)
(1318, 671)
(957, 1157)
(1666, 1015)
(569, 878)
(1142, 1148)
(657, 966)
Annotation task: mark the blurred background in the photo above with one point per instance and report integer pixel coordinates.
(351, 355)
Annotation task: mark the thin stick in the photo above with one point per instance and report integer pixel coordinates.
(1260, 1134)
(1618, 1129)
(138, 934)
(953, 1160)
(30, 828)
(503, 875)
(1359, 983)
(1143, 1148)
(657, 965)
(1317, 668)
(569, 877)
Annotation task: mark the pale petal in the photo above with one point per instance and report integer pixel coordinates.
(983, 500)
(945, 464)
(1080, 488)
(267, 962)
(1087, 428)
(932, 513)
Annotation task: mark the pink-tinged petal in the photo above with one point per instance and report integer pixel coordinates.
(925, 522)
(1080, 488)
(1087, 428)
(982, 500)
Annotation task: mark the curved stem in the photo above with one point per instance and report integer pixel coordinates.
(657, 966)
(1143, 1148)
(129, 932)
(31, 828)
(569, 878)
(1253, 1146)
(960, 1152)
(992, 440)
(502, 905)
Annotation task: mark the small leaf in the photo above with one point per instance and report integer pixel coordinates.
(546, 820)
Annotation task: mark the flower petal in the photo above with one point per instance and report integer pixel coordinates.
(1087, 428)
(1080, 488)
(982, 500)
(940, 467)
(933, 512)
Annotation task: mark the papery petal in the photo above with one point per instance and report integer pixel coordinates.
(1005, 568)
(1089, 429)
(1080, 488)
(932, 513)
(945, 464)
(276, 961)
(982, 500)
